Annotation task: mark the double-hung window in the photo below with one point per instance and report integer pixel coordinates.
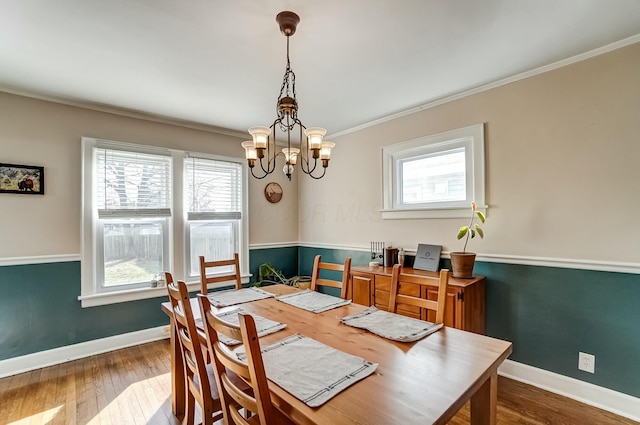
(146, 210)
(214, 203)
(435, 176)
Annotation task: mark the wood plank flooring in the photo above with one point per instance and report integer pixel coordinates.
(132, 386)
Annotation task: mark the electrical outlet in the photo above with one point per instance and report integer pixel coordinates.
(587, 362)
(166, 330)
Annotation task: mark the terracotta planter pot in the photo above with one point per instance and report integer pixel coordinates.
(462, 264)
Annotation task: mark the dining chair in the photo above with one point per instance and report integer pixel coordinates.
(233, 275)
(236, 402)
(200, 384)
(396, 297)
(343, 284)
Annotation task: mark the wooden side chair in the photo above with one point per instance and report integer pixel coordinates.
(343, 285)
(395, 297)
(199, 383)
(238, 403)
(234, 275)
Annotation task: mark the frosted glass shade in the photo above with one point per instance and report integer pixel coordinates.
(315, 135)
(249, 150)
(291, 154)
(325, 151)
(260, 136)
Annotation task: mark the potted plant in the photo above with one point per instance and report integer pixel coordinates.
(462, 262)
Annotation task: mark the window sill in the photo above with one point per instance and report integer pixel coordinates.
(407, 213)
(106, 298)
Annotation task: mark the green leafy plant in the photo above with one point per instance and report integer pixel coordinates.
(473, 228)
(268, 273)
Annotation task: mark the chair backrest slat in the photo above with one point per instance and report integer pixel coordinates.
(440, 283)
(343, 285)
(234, 275)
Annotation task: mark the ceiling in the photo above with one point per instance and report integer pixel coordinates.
(221, 63)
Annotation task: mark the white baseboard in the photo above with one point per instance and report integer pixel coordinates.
(67, 353)
(615, 402)
(603, 398)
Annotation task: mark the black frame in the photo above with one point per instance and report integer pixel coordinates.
(9, 184)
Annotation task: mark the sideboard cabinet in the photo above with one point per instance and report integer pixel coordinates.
(465, 297)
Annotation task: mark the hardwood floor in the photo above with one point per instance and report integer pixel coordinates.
(132, 386)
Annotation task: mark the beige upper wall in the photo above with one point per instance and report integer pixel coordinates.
(562, 179)
(36, 132)
(562, 174)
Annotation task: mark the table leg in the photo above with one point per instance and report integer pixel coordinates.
(177, 375)
(484, 403)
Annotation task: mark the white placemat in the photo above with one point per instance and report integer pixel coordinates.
(311, 371)
(264, 326)
(313, 301)
(237, 296)
(390, 325)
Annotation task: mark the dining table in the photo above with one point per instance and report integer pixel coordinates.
(421, 382)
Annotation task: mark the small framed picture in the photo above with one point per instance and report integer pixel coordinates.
(24, 179)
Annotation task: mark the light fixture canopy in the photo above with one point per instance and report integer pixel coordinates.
(311, 146)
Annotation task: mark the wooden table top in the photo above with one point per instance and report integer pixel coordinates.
(423, 382)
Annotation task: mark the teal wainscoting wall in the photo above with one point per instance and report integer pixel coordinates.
(284, 259)
(550, 314)
(39, 310)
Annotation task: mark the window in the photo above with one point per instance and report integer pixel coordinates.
(436, 176)
(214, 214)
(147, 210)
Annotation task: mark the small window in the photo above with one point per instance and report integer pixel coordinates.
(436, 176)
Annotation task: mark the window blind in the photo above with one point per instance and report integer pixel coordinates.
(132, 184)
(214, 189)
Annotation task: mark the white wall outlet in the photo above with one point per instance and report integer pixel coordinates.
(587, 362)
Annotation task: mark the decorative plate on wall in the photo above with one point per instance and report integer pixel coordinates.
(273, 192)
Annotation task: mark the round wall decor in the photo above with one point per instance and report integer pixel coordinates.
(273, 192)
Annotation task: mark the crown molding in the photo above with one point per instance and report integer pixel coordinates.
(527, 74)
(124, 112)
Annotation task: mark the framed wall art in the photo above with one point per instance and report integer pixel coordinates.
(24, 179)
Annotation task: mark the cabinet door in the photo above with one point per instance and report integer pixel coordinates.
(362, 288)
(452, 309)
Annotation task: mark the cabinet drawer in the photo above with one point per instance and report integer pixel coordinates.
(383, 283)
(382, 302)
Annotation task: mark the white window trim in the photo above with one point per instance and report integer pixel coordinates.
(471, 136)
(89, 296)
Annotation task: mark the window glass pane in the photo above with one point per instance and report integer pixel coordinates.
(216, 240)
(133, 251)
(438, 177)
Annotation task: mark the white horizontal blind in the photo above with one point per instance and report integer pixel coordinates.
(214, 189)
(132, 184)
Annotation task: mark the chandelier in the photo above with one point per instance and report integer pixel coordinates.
(311, 147)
